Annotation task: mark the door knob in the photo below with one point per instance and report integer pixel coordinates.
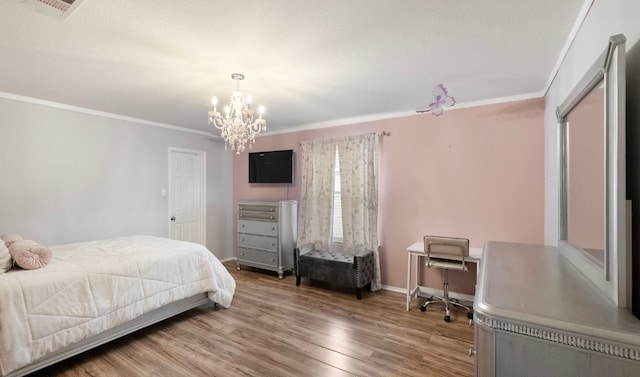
(173, 218)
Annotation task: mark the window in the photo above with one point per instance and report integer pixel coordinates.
(336, 233)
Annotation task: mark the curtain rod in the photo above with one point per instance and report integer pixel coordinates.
(381, 133)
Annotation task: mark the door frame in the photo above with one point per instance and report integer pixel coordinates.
(202, 157)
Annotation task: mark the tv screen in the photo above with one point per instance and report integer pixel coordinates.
(271, 167)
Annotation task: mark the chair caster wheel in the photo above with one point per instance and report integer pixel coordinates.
(238, 267)
(470, 315)
(447, 318)
(423, 308)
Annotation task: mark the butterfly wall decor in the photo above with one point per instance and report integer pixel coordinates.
(441, 97)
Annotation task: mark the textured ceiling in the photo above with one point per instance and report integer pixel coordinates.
(310, 62)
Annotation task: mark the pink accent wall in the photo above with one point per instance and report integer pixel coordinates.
(586, 202)
(475, 173)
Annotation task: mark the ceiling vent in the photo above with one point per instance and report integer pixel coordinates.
(56, 8)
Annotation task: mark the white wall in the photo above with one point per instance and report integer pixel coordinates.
(606, 18)
(68, 176)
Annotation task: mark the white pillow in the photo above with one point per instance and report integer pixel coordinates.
(5, 258)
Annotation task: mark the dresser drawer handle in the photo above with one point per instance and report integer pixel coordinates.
(242, 226)
(273, 259)
(241, 239)
(242, 254)
(274, 228)
(271, 217)
(273, 244)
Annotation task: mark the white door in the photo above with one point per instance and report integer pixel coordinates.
(187, 199)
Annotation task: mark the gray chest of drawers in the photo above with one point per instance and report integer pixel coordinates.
(267, 234)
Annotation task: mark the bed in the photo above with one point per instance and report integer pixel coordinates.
(94, 292)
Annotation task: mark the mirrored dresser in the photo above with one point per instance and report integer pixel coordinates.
(537, 315)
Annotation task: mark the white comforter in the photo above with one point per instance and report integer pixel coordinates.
(94, 286)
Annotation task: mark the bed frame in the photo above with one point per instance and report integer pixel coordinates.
(126, 328)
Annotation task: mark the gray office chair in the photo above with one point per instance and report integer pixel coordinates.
(446, 253)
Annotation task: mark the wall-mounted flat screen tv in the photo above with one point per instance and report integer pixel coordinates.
(271, 167)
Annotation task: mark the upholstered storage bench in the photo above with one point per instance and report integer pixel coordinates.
(334, 268)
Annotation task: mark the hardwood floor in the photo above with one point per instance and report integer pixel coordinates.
(274, 328)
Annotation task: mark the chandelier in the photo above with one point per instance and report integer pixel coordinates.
(237, 126)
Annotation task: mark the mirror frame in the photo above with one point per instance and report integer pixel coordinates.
(611, 279)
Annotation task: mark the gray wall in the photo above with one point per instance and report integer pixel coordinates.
(68, 176)
(606, 18)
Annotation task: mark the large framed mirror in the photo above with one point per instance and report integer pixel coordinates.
(592, 173)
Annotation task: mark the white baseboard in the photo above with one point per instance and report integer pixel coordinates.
(427, 292)
(393, 289)
(424, 291)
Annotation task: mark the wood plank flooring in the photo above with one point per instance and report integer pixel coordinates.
(274, 328)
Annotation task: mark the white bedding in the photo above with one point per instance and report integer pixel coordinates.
(94, 286)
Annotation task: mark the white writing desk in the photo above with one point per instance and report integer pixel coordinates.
(417, 249)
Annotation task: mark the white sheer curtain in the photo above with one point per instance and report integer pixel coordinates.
(359, 195)
(359, 187)
(316, 193)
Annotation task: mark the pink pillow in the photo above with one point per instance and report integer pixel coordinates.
(10, 238)
(29, 254)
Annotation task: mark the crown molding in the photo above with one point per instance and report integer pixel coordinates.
(82, 110)
(582, 16)
(384, 116)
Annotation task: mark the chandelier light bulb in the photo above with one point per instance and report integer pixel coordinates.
(214, 101)
(249, 100)
(261, 110)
